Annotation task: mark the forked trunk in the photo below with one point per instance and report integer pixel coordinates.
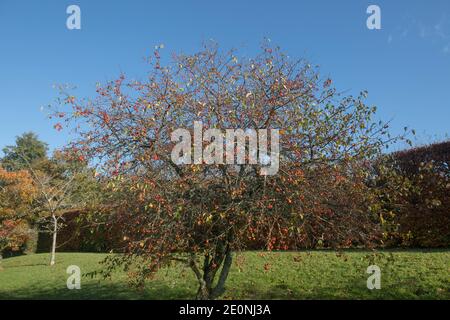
(206, 290)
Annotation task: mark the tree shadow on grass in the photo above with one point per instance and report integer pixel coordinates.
(353, 291)
(37, 264)
(100, 291)
(160, 291)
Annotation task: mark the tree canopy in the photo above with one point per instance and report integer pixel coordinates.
(172, 211)
(27, 150)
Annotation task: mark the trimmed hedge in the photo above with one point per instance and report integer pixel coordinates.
(83, 232)
(420, 197)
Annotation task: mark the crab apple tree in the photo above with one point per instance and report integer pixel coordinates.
(201, 213)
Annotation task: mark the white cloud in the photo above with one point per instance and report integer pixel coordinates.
(437, 33)
(390, 38)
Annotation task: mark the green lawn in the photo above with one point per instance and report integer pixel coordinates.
(255, 275)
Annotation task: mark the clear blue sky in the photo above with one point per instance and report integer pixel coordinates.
(405, 66)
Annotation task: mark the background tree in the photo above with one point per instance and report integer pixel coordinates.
(201, 213)
(27, 150)
(62, 183)
(17, 193)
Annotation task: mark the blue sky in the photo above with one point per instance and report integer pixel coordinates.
(405, 66)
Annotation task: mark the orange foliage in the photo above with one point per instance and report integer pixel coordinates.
(16, 194)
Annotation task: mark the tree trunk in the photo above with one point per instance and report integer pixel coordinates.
(220, 286)
(1, 260)
(55, 231)
(206, 290)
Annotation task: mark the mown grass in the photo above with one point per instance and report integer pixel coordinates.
(255, 275)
